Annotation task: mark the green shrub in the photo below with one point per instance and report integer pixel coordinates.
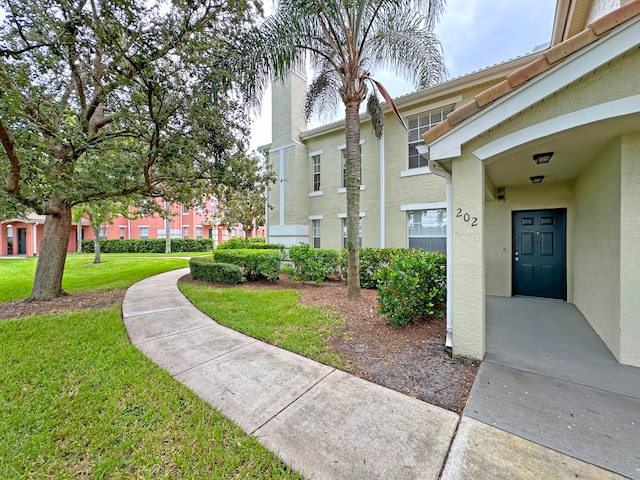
(208, 271)
(315, 264)
(371, 260)
(255, 263)
(257, 243)
(411, 286)
(150, 245)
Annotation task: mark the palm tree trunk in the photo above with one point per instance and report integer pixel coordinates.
(47, 283)
(353, 166)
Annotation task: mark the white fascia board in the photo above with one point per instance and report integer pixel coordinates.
(580, 63)
(317, 152)
(585, 116)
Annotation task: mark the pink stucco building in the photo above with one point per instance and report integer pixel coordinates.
(22, 236)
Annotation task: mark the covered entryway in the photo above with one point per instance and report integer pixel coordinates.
(539, 253)
(548, 377)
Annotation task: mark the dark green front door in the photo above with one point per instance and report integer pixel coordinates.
(539, 253)
(22, 241)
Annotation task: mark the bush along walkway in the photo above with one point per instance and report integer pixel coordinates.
(323, 422)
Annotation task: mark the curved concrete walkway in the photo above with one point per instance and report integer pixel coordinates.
(323, 422)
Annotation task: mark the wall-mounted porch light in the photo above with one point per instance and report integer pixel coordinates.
(537, 179)
(542, 158)
(501, 194)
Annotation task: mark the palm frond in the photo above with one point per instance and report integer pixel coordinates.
(376, 114)
(322, 98)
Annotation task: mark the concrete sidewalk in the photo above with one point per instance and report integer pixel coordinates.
(323, 422)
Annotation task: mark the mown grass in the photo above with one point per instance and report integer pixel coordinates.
(274, 316)
(81, 274)
(78, 400)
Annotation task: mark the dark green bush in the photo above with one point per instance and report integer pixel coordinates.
(257, 243)
(150, 245)
(208, 271)
(412, 286)
(255, 263)
(315, 264)
(371, 260)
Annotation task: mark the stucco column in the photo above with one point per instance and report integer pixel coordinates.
(468, 257)
(630, 250)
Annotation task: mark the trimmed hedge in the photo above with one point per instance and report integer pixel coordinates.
(150, 245)
(254, 243)
(208, 271)
(315, 264)
(411, 286)
(371, 261)
(255, 263)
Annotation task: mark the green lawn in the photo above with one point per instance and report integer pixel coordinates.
(81, 274)
(274, 316)
(78, 400)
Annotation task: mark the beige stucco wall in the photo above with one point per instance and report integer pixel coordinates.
(468, 260)
(597, 246)
(498, 230)
(630, 250)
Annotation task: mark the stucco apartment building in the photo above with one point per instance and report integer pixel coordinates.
(526, 173)
(22, 236)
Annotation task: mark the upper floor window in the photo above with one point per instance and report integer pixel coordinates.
(315, 160)
(418, 125)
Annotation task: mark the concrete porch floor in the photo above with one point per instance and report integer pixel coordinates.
(549, 378)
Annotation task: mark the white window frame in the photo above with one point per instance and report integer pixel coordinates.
(343, 163)
(123, 233)
(144, 228)
(344, 230)
(199, 230)
(418, 125)
(315, 229)
(185, 228)
(417, 215)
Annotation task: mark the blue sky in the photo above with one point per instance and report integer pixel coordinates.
(474, 34)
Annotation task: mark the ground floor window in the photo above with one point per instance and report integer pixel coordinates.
(316, 233)
(122, 232)
(427, 229)
(344, 233)
(144, 232)
(198, 232)
(185, 232)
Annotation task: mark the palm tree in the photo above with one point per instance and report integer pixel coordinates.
(344, 40)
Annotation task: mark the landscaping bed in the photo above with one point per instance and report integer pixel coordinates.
(408, 359)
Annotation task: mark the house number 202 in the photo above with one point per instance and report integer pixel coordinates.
(467, 218)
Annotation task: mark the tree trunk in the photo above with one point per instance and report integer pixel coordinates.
(47, 283)
(96, 243)
(79, 236)
(353, 163)
(167, 230)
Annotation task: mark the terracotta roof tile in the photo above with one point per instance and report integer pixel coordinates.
(490, 94)
(437, 131)
(575, 43)
(465, 111)
(551, 57)
(527, 72)
(615, 18)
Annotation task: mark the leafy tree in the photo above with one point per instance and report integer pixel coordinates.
(100, 214)
(246, 203)
(345, 39)
(108, 99)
